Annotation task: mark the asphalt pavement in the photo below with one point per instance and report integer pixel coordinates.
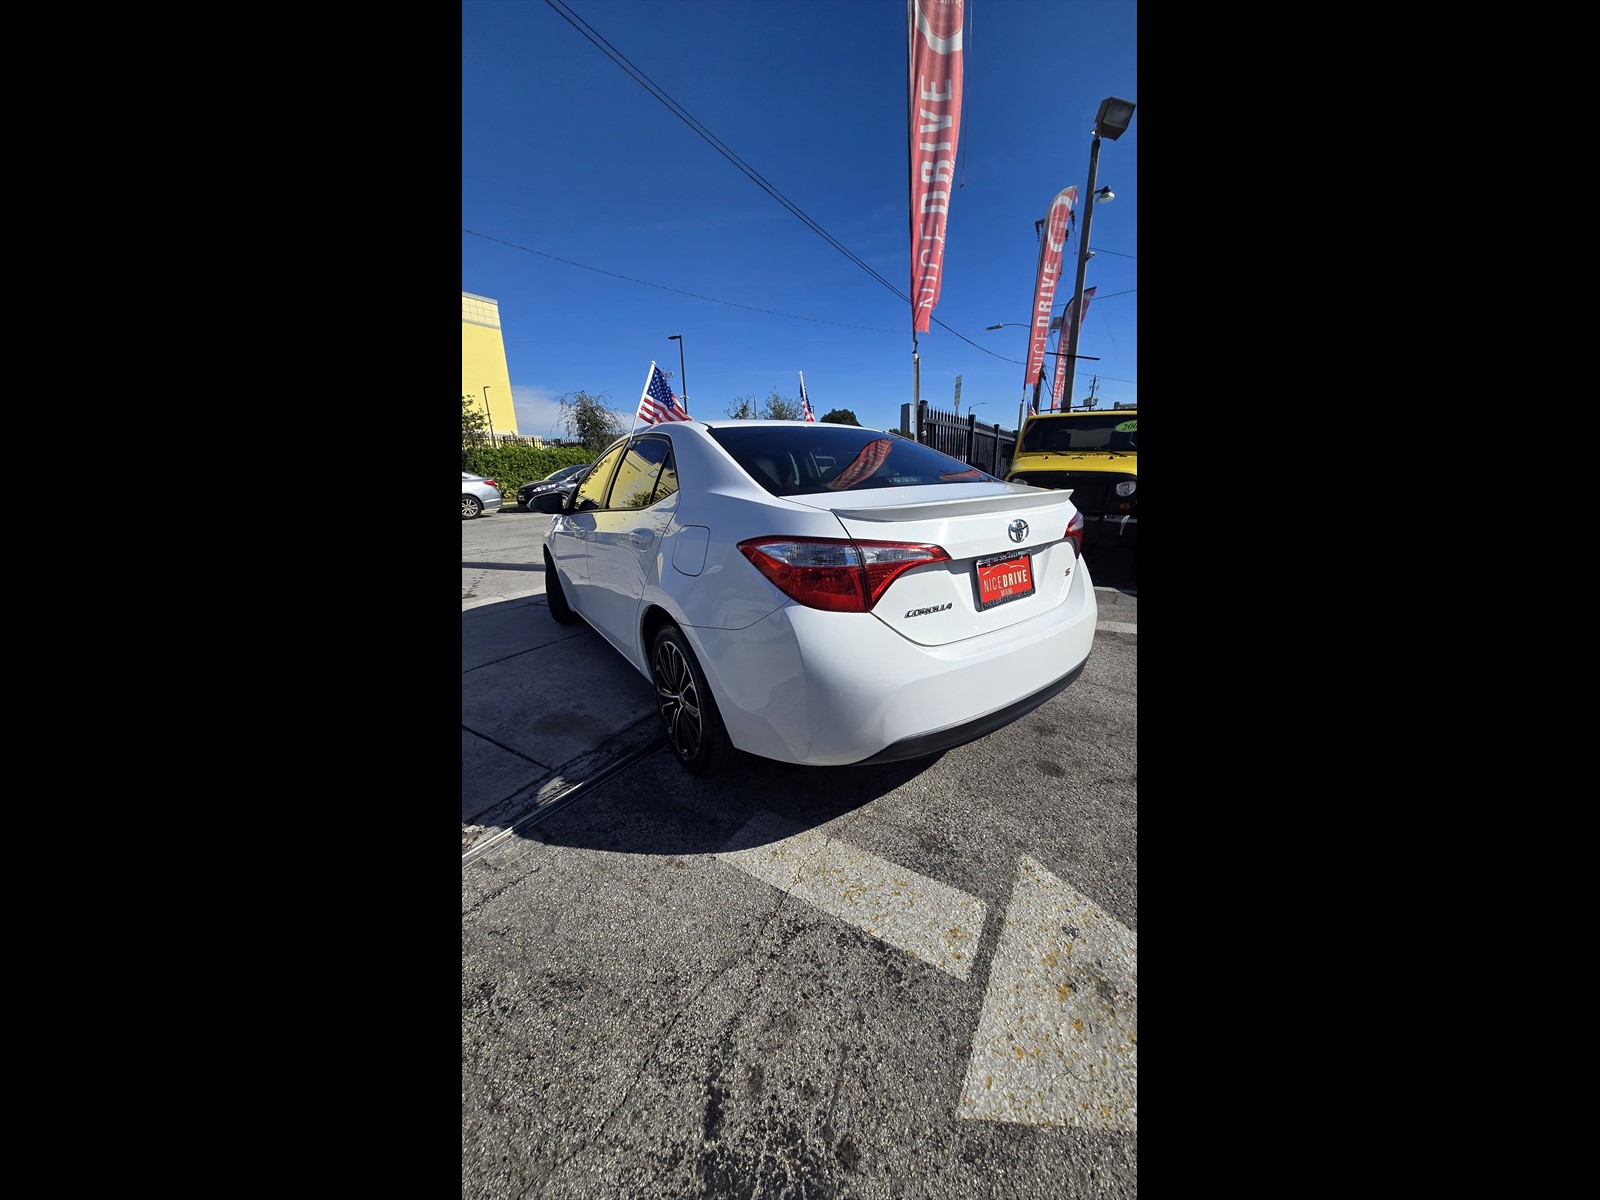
(913, 979)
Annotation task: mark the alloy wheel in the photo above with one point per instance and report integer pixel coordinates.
(678, 699)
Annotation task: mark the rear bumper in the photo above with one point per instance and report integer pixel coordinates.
(795, 687)
(960, 735)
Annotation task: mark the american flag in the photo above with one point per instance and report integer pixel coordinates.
(805, 400)
(657, 403)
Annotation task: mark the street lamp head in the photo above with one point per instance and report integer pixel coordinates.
(1000, 326)
(1113, 119)
(675, 337)
(1103, 195)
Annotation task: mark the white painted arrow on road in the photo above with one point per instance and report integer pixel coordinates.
(932, 920)
(1058, 1037)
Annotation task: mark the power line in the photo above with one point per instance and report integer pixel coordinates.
(771, 312)
(644, 81)
(755, 176)
(713, 140)
(665, 288)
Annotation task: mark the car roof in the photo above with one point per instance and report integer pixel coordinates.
(1085, 412)
(740, 422)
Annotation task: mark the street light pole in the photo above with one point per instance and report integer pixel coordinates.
(683, 379)
(1022, 405)
(1038, 384)
(490, 414)
(1110, 122)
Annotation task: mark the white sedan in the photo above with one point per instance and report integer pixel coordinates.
(820, 594)
(479, 494)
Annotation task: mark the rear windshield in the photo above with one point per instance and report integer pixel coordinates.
(799, 460)
(1103, 431)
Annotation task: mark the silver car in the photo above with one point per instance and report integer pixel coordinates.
(479, 494)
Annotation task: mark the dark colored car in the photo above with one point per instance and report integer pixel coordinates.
(563, 480)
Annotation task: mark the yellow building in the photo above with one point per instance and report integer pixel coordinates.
(484, 374)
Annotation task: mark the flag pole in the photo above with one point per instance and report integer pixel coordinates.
(916, 386)
(645, 391)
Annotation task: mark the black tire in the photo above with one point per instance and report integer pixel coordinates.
(471, 506)
(689, 716)
(560, 611)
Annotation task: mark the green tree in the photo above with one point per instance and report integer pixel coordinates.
(743, 409)
(588, 421)
(842, 416)
(474, 425)
(781, 408)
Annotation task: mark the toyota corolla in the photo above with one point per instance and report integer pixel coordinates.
(820, 594)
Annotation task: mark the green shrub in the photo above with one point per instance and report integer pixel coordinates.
(514, 464)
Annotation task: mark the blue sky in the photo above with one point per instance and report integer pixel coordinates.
(603, 222)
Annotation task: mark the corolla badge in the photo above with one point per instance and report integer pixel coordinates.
(1017, 530)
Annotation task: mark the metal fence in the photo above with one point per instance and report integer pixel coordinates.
(484, 441)
(986, 446)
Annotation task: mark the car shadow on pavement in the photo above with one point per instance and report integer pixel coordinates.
(655, 807)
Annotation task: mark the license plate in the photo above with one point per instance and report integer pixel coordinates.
(1008, 577)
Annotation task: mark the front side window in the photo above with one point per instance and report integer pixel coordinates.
(640, 473)
(591, 492)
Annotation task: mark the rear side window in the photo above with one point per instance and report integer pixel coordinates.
(667, 482)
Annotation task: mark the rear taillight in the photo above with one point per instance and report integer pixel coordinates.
(833, 573)
(491, 483)
(1075, 534)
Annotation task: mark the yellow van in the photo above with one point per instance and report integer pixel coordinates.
(1095, 452)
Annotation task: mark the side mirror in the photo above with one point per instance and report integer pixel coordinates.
(550, 502)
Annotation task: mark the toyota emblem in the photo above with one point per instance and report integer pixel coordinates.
(1018, 529)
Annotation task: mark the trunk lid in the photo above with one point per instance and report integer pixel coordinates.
(941, 603)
